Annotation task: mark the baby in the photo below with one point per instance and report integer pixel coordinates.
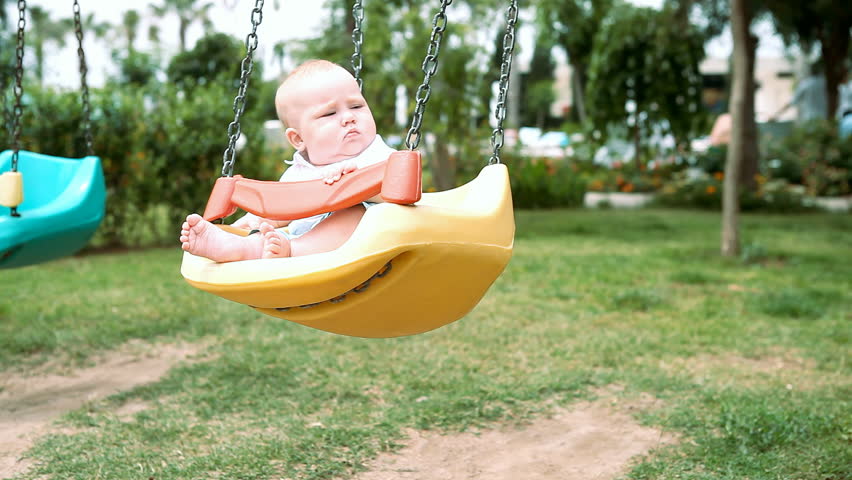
(332, 129)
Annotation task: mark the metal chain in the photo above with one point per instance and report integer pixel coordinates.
(358, 40)
(430, 66)
(87, 116)
(18, 109)
(505, 69)
(360, 288)
(240, 101)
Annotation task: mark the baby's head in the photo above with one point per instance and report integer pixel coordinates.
(326, 116)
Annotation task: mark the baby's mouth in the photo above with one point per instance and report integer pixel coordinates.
(351, 133)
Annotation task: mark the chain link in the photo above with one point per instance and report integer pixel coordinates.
(358, 40)
(497, 135)
(18, 109)
(240, 100)
(87, 116)
(430, 66)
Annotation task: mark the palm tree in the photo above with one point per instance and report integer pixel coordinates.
(279, 53)
(187, 12)
(92, 26)
(45, 30)
(130, 28)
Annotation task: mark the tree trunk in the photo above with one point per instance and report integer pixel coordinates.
(346, 35)
(513, 104)
(39, 68)
(442, 165)
(741, 96)
(835, 47)
(751, 152)
(184, 25)
(637, 143)
(578, 98)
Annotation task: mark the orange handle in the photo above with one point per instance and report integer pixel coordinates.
(219, 205)
(402, 182)
(398, 179)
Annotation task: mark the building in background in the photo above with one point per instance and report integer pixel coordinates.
(775, 77)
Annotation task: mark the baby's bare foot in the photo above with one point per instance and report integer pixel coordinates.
(202, 238)
(275, 244)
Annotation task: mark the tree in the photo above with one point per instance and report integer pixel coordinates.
(45, 30)
(7, 70)
(279, 53)
(644, 73)
(187, 12)
(573, 25)
(537, 96)
(709, 17)
(137, 68)
(214, 57)
(130, 28)
(396, 37)
(824, 22)
(743, 143)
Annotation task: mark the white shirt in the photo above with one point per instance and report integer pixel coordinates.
(300, 169)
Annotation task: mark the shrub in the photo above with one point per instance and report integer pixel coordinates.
(623, 178)
(814, 156)
(698, 189)
(545, 183)
(713, 160)
(161, 150)
(692, 188)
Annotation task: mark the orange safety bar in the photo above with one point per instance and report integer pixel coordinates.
(398, 180)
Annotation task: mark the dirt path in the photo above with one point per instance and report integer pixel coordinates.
(591, 441)
(588, 442)
(29, 404)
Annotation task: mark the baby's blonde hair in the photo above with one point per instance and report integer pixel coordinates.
(306, 69)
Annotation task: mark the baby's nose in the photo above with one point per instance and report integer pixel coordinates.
(347, 117)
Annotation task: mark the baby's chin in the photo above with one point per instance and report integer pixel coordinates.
(339, 157)
(352, 149)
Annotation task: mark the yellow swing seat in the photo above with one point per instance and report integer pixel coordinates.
(405, 270)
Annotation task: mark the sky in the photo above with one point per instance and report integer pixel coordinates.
(293, 19)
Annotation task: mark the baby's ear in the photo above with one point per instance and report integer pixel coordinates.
(295, 139)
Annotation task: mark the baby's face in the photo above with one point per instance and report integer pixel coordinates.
(330, 117)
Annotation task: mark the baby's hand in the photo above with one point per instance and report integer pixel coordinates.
(253, 222)
(248, 222)
(333, 172)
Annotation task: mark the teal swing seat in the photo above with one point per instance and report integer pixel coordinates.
(64, 202)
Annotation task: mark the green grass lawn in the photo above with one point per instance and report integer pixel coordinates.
(640, 301)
